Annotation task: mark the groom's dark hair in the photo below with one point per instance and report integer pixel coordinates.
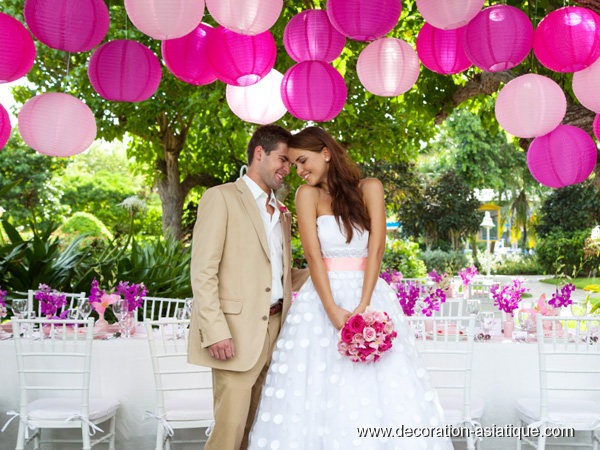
(268, 137)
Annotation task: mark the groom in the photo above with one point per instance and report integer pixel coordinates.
(242, 283)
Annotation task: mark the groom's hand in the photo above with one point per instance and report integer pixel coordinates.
(222, 349)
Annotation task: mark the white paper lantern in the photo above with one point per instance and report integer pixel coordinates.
(260, 103)
(531, 105)
(245, 16)
(57, 124)
(586, 86)
(388, 67)
(165, 19)
(449, 14)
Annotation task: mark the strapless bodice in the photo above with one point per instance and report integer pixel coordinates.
(333, 240)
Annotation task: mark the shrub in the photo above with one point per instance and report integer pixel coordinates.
(82, 223)
(405, 256)
(566, 249)
(517, 264)
(298, 259)
(442, 261)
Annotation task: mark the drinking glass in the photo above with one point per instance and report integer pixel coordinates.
(119, 310)
(19, 308)
(181, 314)
(473, 307)
(579, 309)
(487, 320)
(84, 307)
(525, 321)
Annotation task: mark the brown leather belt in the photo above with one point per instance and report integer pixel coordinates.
(276, 308)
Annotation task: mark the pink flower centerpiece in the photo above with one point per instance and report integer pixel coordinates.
(3, 311)
(366, 336)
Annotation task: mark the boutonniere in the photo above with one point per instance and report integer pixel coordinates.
(283, 209)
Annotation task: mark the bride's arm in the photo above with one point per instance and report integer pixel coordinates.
(373, 194)
(306, 208)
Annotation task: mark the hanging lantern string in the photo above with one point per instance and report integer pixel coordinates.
(67, 73)
(534, 26)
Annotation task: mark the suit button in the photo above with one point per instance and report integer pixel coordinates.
(265, 317)
(268, 289)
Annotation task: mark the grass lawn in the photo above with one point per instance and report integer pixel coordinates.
(579, 283)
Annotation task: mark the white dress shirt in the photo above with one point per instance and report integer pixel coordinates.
(274, 235)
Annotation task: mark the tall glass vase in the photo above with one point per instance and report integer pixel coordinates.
(101, 325)
(509, 326)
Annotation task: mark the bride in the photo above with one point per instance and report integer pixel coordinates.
(313, 397)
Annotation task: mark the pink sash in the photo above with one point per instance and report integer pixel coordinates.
(345, 264)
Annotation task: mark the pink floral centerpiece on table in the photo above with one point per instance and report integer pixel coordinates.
(100, 300)
(365, 337)
(507, 299)
(467, 274)
(551, 307)
(50, 301)
(3, 310)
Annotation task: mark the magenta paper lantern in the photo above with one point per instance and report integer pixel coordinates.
(498, 38)
(245, 16)
(586, 86)
(568, 39)
(124, 71)
(313, 90)
(260, 103)
(388, 67)
(57, 124)
(530, 105)
(4, 127)
(17, 50)
(69, 25)
(310, 36)
(240, 60)
(442, 50)
(562, 157)
(186, 57)
(165, 19)
(449, 14)
(364, 20)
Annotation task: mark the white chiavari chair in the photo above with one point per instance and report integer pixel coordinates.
(72, 298)
(156, 308)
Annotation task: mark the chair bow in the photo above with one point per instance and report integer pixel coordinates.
(93, 427)
(14, 415)
(163, 421)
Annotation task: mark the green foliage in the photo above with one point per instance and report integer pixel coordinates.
(298, 259)
(83, 223)
(442, 261)
(563, 252)
(404, 256)
(517, 264)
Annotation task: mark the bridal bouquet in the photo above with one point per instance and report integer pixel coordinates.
(366, 336)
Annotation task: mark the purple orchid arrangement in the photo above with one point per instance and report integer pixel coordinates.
(442, 280)
(3, 310)
(563, 298)
(391, 276)
(50, 300)
(433, 300)
(507, 299)
(133, 294)
(467, 274)
(408, 294)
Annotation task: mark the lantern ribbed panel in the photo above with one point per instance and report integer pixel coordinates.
(125, 71)
(498, 38)
(568, 39)
(311, 36)
(530, 105)
(596, 126)
(57, 124)
(313, 90)
(449, 14)
(586, 86)
(245, 16)
(260, 103)
(165, 19)
(364, 20)
(562, 157)
(442, 50)
(186, 57)
(69, 25)
(388, 67)
(17, 50)
(240, 60)
(5, 127)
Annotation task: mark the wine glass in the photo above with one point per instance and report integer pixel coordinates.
(181, 314)
(119, 310)
(19, 308)
(84, 307)
(487, 320)
(525, 320)
(473, 307)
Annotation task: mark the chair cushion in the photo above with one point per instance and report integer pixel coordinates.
(63, 408)
(453, 408)
(584, 413)
(199, 407)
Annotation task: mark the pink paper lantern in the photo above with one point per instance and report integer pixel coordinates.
(568, 39)
(311, 36)
(69, 25)
(240, 60)
(596, 126)
(388, 67)
(442, 50)
(124, 71)
(260, 103)
(498, 38)
(364, 20)
(449, 14)
(245, 16)
(313, 90)
(17, 51)
(186, 57)
(530, 105)
(586, 86)
(562, 157)
(165, 19)
(4, 127)
(57, 124)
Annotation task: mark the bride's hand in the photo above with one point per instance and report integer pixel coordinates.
(359, 309)
(339, 317)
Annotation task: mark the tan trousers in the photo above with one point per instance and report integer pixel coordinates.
(236, 397)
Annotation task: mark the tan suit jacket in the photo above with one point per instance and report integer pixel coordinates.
(231, 276)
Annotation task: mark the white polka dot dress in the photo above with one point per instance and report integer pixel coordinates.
(315, 398)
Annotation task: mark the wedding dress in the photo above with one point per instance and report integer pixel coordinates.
(315, 398)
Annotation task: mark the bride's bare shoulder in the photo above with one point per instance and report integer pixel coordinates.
(370, 185)
(306, 191)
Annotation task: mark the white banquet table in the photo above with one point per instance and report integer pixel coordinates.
(503, 371)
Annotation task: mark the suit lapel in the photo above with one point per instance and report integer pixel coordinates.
(253, 213)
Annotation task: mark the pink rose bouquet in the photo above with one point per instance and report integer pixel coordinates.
(366, 336)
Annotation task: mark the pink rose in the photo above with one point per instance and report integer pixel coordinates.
(368, 316)
(389, 327)
(356, 323)
(342, 347)
(359, 339)
(353, 351)
(369, 334)
(378, 327)
(347, 335)
(366, 351)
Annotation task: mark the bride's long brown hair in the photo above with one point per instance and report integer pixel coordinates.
(343, 176)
